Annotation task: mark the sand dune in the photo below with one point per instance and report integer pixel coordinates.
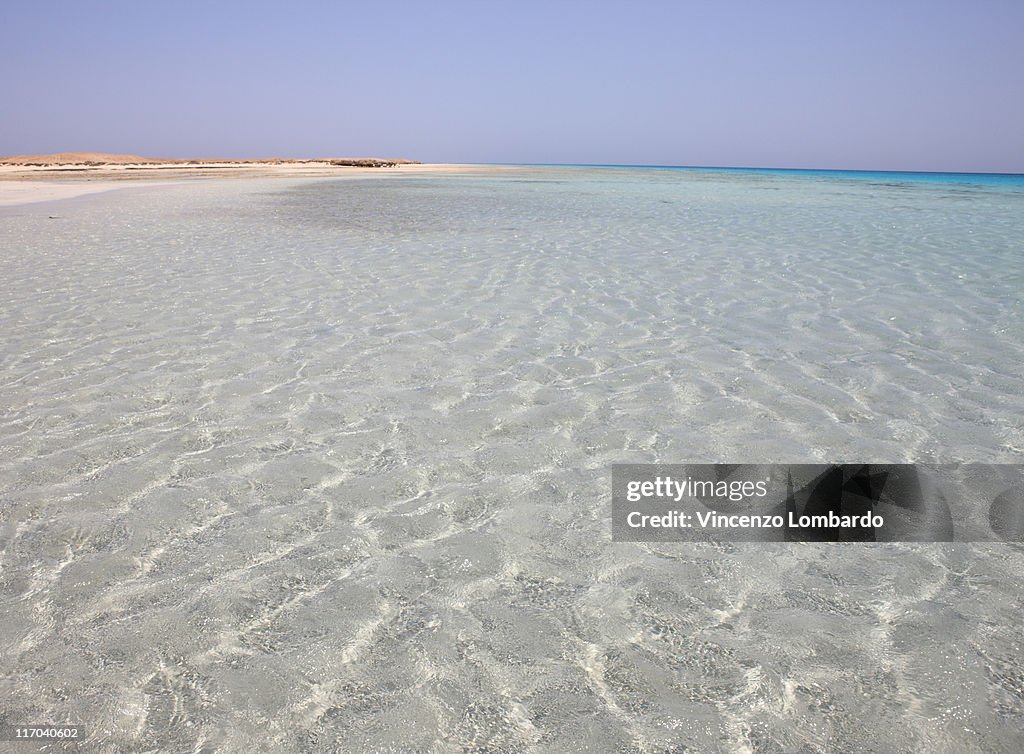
(74, 158)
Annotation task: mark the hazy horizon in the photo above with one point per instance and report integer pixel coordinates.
(933, 87)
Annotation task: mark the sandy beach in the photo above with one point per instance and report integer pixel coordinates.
(33, 179)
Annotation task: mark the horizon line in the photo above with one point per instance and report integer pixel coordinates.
(749, 167)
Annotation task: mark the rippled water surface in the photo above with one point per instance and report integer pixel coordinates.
(324, 465)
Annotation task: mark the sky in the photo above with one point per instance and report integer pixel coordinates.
(855, 84)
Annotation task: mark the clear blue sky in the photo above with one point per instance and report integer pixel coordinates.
(903, 84)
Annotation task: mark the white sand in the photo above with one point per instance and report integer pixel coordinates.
(21, 184)
(30, 192)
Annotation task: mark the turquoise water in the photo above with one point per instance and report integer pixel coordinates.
(313, 465)
(994, 180)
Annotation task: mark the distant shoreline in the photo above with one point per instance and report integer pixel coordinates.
(31, 179)
(93, 160)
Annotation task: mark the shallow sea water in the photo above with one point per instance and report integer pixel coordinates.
(310, 465)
